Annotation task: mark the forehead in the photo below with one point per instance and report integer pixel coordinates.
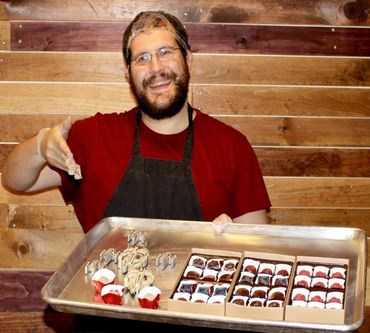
(152, 40)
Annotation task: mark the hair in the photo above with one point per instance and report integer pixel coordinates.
(148, 20)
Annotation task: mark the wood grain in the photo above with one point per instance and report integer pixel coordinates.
(289, 100)
(335, 12)
(35, 249)
(67, 36)
(348, 218)
(305, 192)
(318, 192)
(4, 36)
(64, 98)
(48, 197)
(29, 125)
(279, 40)
(62, 219)
(271, 131)
(4, 151)
(3, 215)
(280, 70)
(282, 131)
(4, 194)
(89, 98)
(319, 162)
(297, 161)
(209, 69)
(204, 38)
(69, 66)
(41, 217)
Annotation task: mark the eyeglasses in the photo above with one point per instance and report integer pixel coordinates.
(163, 54)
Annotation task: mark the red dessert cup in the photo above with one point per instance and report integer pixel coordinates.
(112, 294)
(149, 297)
(101, 278)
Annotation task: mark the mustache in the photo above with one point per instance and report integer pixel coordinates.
(162, 75)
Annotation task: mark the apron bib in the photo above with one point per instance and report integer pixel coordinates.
(155, 188)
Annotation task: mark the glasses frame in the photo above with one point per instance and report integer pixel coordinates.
(145, 58)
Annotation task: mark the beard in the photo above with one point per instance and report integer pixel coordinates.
(166, 108)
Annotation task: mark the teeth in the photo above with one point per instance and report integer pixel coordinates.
(157, 84)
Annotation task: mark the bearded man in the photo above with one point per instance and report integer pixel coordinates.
(161, 160)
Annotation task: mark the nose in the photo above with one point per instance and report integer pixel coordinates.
(155, 64)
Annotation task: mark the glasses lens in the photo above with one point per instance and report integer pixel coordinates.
(165, 53)
(142, 59)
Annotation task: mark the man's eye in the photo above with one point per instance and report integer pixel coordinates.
(164, 52)
(142, 58)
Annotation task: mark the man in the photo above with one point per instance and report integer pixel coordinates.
(162, 159)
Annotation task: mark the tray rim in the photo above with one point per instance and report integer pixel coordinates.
(255, 229)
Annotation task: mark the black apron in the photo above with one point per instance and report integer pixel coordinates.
(156, 188)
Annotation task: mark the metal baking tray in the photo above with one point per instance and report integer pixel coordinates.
(69, 290)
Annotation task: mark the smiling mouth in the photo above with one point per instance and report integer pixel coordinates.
(160, 87)
(159, 84)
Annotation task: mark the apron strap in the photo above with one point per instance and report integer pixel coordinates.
(188, 149)
(136, 146)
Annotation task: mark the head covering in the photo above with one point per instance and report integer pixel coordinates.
(149, 20)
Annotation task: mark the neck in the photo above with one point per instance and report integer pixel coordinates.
(173, 125)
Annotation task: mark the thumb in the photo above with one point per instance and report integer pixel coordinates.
(65, 126)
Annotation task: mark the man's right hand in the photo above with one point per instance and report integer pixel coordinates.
(53, 148)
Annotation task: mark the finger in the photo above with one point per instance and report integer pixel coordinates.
(73, 168)
(223, 219)
(220, 223)
(69, 162)
(77, 173)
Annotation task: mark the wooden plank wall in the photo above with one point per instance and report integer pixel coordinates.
(294, 76)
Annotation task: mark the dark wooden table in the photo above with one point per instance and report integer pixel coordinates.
(51, 321)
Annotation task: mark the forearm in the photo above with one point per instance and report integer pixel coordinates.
(23, 166)
(257, 217)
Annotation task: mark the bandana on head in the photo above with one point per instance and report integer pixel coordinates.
(149, 20)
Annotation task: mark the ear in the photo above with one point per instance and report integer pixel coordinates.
(127, 73)
(189, 57)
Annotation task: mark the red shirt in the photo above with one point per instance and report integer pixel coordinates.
(226, 172)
